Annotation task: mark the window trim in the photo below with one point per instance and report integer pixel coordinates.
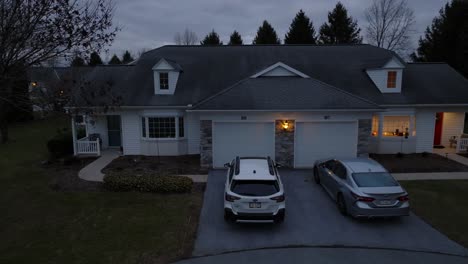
(176, 123)
(392, 84)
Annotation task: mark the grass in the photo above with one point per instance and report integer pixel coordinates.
(443, 204)
(39, 225)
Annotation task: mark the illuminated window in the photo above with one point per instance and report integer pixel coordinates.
(375, 126)
(395, 126)
(391, 79)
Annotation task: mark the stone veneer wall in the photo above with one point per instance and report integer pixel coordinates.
(206, 144)
(284, 143)
(364, 134)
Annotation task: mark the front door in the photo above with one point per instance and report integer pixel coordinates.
(113, 131)
(438, 129)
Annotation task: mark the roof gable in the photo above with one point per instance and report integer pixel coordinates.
(279, 69)
(166, 65)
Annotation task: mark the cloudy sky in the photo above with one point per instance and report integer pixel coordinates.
(148, 24)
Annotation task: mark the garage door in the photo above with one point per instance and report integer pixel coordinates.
(242, 139)
(319, 140)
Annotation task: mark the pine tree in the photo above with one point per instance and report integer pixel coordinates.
(115, 60)
(235, 38)
(341, 28)
(211, 39)
(95, 59)
(266, 34)
(127, 57)
(301, 30)
(77, 62)
(446, 39)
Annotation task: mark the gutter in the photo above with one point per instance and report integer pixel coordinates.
(131, 107)
(290, 110)
(425, 105)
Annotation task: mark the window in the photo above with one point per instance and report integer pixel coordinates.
(391, 79)
(395, 126)
(340, 170)
(181, 127)
(254, 188)
(375, 126)
(162, 127)
(374, 179)
(163, 80)
(465, 130)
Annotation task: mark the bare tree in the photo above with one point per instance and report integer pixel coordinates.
(390, 24)
(35, 31)
(188, 37)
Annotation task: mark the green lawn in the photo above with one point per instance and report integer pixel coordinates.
(443, 204)
(39, 225)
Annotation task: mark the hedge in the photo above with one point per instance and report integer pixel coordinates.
(61, 145)
(124, 181)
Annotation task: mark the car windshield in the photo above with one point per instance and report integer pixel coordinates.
(374, 179)
(254, 188)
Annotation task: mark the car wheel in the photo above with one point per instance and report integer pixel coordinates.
(228, 217)
(341, 204)
(316, 175)
(279, 219)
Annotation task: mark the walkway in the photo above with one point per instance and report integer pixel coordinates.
(92, 172)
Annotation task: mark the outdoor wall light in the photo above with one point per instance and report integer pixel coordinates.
(285, 125)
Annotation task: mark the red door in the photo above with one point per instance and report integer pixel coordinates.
(438, 129)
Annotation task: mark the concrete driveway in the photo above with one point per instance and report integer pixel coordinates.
(311, 220)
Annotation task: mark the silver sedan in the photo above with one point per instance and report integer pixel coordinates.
(361, 187)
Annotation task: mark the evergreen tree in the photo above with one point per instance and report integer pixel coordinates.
(127, 57)
(115, 60)
(446, 39)
(266, 34)
(235, 38)
(301, 30)
(341, 28)
(211, 39)
(95, 59)
(77, 62)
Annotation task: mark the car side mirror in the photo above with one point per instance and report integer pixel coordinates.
(227, 165)
(279, 165)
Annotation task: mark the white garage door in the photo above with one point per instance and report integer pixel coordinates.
(242, 139)
(319, 140)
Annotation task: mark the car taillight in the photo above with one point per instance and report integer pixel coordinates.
(231, 198)
(403, 198)
(278, 199)
(362, 198)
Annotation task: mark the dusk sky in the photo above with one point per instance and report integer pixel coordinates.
(148, 24)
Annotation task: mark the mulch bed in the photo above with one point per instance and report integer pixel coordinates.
(420, 162)
(167, 165)
(463, 154)
(66, 178)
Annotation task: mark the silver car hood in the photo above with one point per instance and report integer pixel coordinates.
(382, 190)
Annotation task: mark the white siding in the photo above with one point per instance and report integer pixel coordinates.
(452, 125)
(173, 77)
(379, 77)
(166, 147)
(192, 128)
(99, 127)
(131, 133)
(425, 124)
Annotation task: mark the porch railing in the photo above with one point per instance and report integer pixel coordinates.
(462, 144)
(88, 147)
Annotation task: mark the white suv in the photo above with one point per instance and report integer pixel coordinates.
(253, 190)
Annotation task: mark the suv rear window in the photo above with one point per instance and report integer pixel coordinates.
(254, 188)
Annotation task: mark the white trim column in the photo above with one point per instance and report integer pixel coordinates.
(73, 134)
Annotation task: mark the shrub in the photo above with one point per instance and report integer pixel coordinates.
(61, 145)
(126, 181)
(400, 155)
(425, 154)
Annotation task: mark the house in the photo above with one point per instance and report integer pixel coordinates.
(294, 103)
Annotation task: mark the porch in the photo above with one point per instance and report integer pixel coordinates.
(100, 132)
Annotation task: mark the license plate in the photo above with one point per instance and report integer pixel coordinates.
(385, 202)
(255, 205)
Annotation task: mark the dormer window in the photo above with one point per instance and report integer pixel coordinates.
(164, 80)
(391, 79)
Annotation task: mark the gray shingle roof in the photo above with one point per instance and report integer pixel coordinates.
(283, 93)
(207, 70)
